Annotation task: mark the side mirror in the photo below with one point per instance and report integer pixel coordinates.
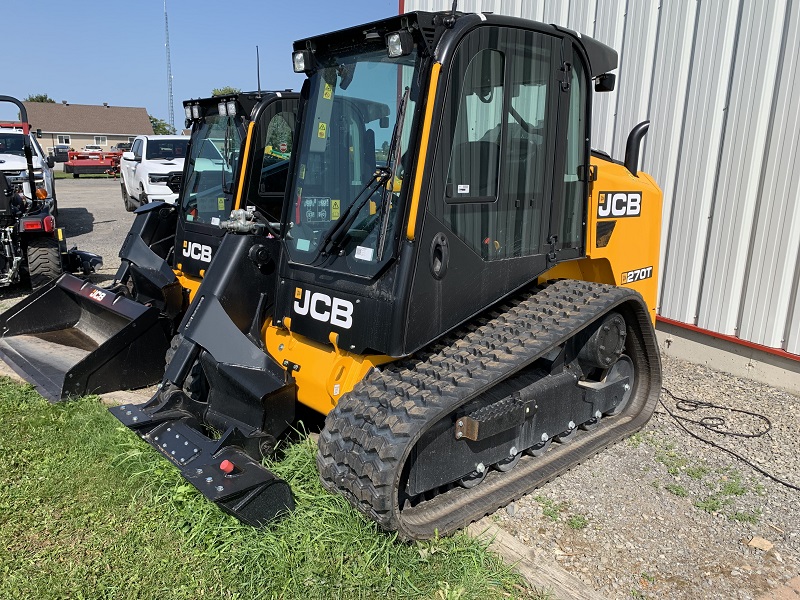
(129, 156)
(605, 82)
(51, 161)
(384, 122)
(38, 133)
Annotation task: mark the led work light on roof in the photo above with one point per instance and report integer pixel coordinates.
(231, 108)
(188, 110)
(399, 43)
(221, 109)
(195, 111)
(301, 59)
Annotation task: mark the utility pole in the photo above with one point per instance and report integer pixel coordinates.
(169, 70)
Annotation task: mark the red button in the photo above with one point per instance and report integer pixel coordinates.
(226, 467)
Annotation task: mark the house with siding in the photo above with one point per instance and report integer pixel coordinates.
(77, 125)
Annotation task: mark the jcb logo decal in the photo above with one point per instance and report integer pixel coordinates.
(324, 308)
(197, 251)
(619, 204)
(97, 295)
(636, 275)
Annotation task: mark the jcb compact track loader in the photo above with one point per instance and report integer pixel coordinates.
(459, 282)
(73, 338)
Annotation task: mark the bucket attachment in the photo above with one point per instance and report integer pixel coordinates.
(71, 338)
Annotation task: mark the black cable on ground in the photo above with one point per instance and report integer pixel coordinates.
(719, 425)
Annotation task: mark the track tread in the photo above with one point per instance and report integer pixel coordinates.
(370, 433)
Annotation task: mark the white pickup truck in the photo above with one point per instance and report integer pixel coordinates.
(14, 166)
(145, 169)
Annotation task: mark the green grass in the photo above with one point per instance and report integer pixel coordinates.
(550, 508)
(673, 461)
(62, 175)
(697, 471)
(676, 489)
(733, 487)
(577, 522)
(88, 510)
(746, 517)
(712, 503)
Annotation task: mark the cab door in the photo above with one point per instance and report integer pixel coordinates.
(486, 229)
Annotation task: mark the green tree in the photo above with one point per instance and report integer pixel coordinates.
(39, 98)
(228, 90)
(161, 127)
(279, 132)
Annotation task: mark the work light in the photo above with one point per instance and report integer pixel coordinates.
(301, 60)
(399, 43)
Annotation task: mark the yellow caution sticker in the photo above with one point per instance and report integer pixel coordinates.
(302, 171)
(221, 203)
(327, 93)
(322, 130)
(335, 206)
(298, 293)
(373, 208)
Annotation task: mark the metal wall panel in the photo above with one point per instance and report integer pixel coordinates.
(608, 28)
(718, 80)
(698, 159)
(636, 57)
(668, 101)
(770, 313)
(748, 104)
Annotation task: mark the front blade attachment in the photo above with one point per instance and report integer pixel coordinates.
(220, 469)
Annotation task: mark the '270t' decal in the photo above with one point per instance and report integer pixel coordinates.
(636, 275)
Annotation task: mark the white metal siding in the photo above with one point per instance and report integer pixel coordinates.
(718, 81)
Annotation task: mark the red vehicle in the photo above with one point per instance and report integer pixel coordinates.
(88, 163)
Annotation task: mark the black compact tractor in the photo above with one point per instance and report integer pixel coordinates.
(32, 247)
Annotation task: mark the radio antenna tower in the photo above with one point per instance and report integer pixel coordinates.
(169, 70)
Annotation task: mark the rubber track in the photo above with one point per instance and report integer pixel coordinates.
(370, 433)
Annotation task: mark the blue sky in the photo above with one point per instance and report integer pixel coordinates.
(90, 52)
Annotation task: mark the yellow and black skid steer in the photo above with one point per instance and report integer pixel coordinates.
(458, 282)
(72, 338)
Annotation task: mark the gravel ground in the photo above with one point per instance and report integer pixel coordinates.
(663, 515)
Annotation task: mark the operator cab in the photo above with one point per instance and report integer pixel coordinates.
(209, 183)
(440, 156)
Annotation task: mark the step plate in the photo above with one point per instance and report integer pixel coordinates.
(199, 458)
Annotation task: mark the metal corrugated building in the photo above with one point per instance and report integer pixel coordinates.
(716, 79)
